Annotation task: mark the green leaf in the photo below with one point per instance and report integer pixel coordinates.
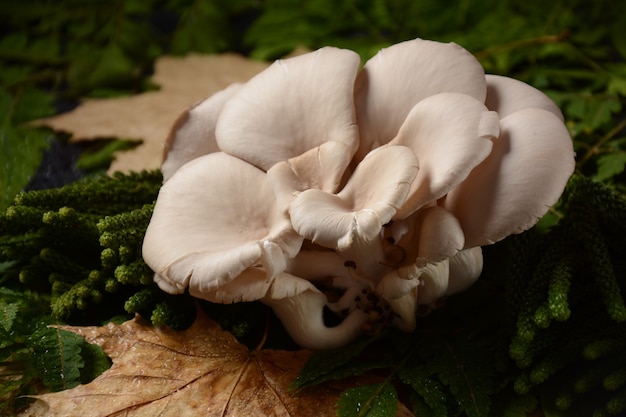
(466, 369)
(376, 400)
(330, 364)
(31, 103)
(617, 32)
(100, 157)
(96, 362)
(428, 388)
(8, 383)
(617, 85)
(8, 312)
(610, 165)
(21, 149)
(20, 155)
(203, 28)
(112, 68)
(56, 355)
(593, 111)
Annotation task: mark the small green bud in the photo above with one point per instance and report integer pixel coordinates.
(526, 332)
(60, 287)
(107, 240)
(615, 380)
(542, 317)
(540, 374)
(127, 254)
(600, 348)
(109, 258)
(521, 385)
(564, 401)
(519, 351)
(81, 291)
(67, 213)
(26, 276)
(111, 285)
(617, 404)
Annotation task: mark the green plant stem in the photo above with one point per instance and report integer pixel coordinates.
(596, 148)
(538, 40)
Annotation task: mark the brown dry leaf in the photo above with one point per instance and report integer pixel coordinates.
(202, 371)
(148, 116)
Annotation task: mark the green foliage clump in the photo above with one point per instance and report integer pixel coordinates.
(161, 309)
(81, 244)
(571, 320)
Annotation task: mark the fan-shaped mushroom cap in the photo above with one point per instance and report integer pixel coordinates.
(193, 134)
(507, 95)
(440, 236)
(450, 133)
(252, 284)
(465, 268)
(196, 239)
(525, 173)
(518, 182)
(368, 201)
(321, 168)
(291, 107)
(400, 76)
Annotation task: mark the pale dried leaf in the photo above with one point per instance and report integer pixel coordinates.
(149, 116)
(201, 371)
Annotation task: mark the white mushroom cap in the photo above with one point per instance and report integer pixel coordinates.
(507, 95)
(291, 107)
(196, 239)
(193, 134)
(320, 168)
(433, 282)
(252, 283)
(525, 173)
(400, 76)
(465, 268)
(450, 133)
(515, 186)
(368, 201)
(440, 235)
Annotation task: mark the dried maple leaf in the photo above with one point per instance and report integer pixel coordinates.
(148, 116)
(202, 371)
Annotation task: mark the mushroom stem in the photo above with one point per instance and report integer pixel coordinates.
(302, 316)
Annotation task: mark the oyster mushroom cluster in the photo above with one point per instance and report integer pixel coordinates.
(324, 189)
